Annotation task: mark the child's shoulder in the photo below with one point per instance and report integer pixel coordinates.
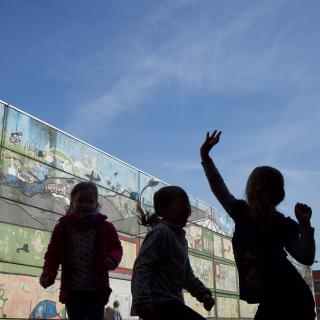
(240, 204)
(158, 230)
(61, 222)
(158, 235)
(102, 219)
(239, 209)
(287, 222)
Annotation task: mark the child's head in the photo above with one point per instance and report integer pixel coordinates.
(116, 304)
(264, 190)
(84, 198)
(171, 204)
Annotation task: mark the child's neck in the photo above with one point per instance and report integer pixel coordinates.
(172, 223)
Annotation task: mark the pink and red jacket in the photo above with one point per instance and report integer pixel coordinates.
(59, 252)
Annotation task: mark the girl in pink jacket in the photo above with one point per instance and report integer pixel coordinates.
(87, 247)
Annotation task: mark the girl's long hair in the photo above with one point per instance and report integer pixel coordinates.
(264, 191)
(161, 199)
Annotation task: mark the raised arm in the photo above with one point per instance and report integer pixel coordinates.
(302, 247)
(215, 180)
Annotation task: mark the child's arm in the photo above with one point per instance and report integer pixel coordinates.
(152, 251)
(115, 252)
(198, 289)
(302, 246)
(52, 258)
(215, 180)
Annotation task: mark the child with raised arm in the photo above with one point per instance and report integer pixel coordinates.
(162, 268)
(87, 247)
(261, 238)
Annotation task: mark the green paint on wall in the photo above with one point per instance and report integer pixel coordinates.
(23, 245)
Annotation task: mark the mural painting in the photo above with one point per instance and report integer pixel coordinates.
(29, 181)
(147, 190)
(227, 307)
(23, 297)
(207, 240)
(199, 239)
(21, 214)
(34, 139)
(193, 202)
(202, 269)
(225, 277)
(23, 245)
(117, 206)
(197, 306)
(130, 251)
(228, 249)
(39, 167)
(247, 310)
(62, 159)
(224, 222)
(1, 118)
(194, 237)
(27, 246)
(204, 208)
(217, 242)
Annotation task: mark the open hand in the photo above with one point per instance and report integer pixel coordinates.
(145, 310)
(303, 214)
(208, 302)
(208, 144)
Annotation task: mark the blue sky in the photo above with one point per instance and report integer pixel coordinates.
(144, 81)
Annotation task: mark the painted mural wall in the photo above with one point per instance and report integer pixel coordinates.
(194, 304)
(39, 165)
(227, 307)
(24, 298)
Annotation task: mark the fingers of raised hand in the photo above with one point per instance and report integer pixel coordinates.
(303, 208)
(213, 134)
(215, 137)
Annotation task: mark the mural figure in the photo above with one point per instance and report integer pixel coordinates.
(2, 303)
(25, 248)
(45, 309)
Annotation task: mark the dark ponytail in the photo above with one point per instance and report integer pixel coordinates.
(161, 199)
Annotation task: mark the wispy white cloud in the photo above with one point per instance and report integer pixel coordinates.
(201, 55)
(287, 130)
(124, 97)
(302, 176)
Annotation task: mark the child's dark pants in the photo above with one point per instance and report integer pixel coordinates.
(173, 310)
(82, 305)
